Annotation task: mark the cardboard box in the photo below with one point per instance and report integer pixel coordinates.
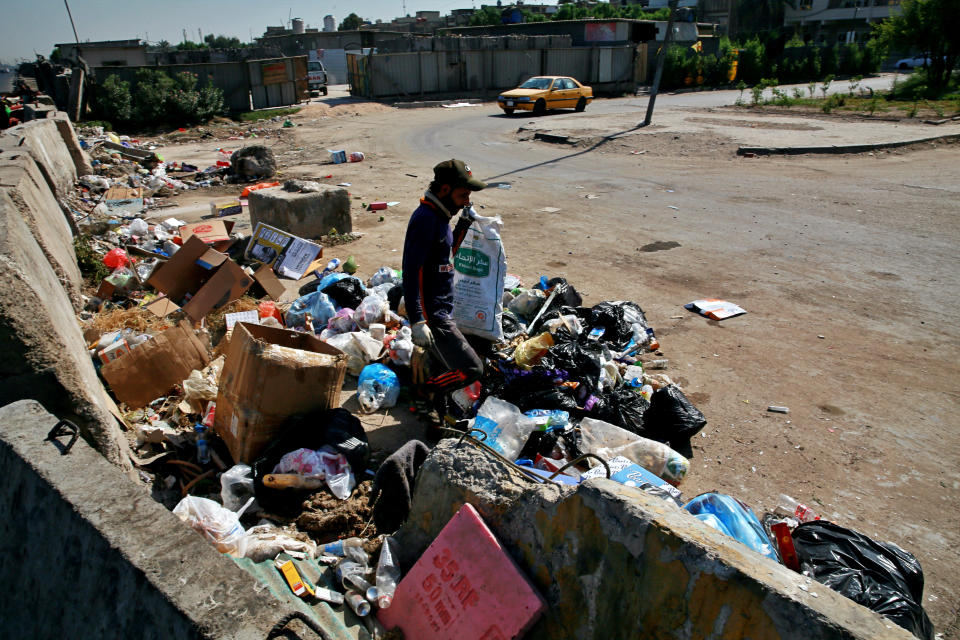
(289, 255)
(464, 586)
(156, 366)
(210, 231)
(211, 278)
(271, 284)
(114, 351)
(269, 375)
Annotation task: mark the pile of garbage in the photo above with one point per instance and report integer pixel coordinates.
(237, 424)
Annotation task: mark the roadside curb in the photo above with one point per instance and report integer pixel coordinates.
(849, 148)
(419, 104)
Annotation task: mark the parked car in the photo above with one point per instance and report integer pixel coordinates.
(317, 77)
(540, 93)
(912, 63)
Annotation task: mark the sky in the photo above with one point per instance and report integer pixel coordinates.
(34, 26)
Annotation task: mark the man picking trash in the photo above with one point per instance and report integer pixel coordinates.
(428, 280)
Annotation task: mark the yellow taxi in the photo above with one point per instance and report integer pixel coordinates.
(540, 93)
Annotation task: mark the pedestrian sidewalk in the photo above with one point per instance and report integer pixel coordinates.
(745, 127)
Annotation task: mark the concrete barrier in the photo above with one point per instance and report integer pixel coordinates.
(42, 352)
(43, 141)
(308, 215)
(24, 183)
(614, 562)
(89, 554)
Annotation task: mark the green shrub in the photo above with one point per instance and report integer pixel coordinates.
(112, 100)
(753, 62)
(851, 59)
(157, 99)
(830, 61)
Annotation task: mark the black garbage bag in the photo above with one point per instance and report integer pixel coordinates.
(335, 427)
(582, 358)
(347, 293)
(879, 575)
(394, 296)
(555, 311)
(672, 419)
(512, 325)
(623, 407)
(567, 295)
(309, 287)
(616, 319)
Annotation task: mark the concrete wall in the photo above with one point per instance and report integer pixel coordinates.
(614, 562)
(464, 73)
(43, 355)
(89, 554)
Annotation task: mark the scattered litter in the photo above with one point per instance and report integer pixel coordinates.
(549, 209)
(714, 309)
(670, 206)
(778, 409)
(457, 105)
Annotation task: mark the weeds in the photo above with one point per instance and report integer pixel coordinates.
(742, 86)
(90, 262)
(253, 116)
(797, 93)
(854, 83)
(826, 85)
(812, 88)
(913, 109)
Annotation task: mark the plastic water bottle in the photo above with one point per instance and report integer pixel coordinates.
(347, 547)
(388, 573)
(796, 509)
(203, 447)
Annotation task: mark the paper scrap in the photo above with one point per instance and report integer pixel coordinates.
(251, 317)
(715, 309)
(550, 209)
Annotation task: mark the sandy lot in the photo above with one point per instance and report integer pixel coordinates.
(847, 265)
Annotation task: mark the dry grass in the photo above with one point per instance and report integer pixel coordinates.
(216, 323)
(137, 318)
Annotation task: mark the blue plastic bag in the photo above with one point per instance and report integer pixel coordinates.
(317, 304)
(732, 517)
(377, 388)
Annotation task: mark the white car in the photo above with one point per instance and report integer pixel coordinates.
(912, 63)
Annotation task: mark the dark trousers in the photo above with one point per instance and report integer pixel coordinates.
(457, 364)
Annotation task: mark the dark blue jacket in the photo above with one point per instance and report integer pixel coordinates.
(427, 268)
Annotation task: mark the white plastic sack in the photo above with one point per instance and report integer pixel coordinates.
(265, 542)
(480, 267)
(360, 348)
(609, 441)
(218, 524)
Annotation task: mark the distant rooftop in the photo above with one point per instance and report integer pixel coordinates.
(104, 43)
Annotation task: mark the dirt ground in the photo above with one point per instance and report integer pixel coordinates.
(846, 265)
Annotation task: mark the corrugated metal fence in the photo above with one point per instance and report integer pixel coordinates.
(421, 73)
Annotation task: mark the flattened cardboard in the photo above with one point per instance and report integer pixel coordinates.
(209, 231)
(155, 367)
(270, 282)
(260, 390)
(289, 255)
(161, 306)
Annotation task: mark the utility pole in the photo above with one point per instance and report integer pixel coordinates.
(75, 36)
(660, 59)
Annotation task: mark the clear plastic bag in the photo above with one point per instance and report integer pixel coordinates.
(236, 487)
(360, 348)
(216, 523)
(507, 429)
(384, 275)
(527, 303)
(377, 388)
(608, 441)
(370, 311)
(139, 227)
(401, 347)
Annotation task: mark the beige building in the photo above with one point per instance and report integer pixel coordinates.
(829, 22)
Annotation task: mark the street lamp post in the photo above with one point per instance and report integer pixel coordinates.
(660, 60)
